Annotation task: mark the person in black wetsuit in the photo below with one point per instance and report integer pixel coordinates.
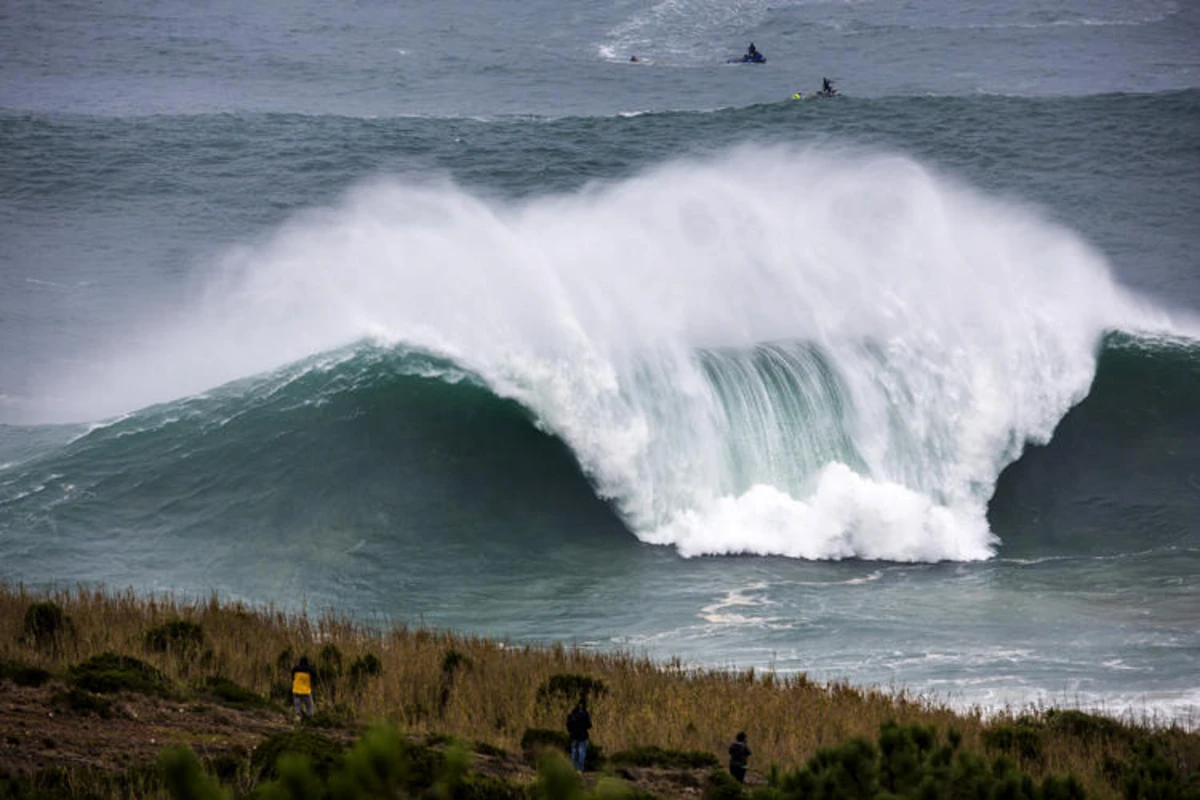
(827, 87)
(739, 754)
(752, 54)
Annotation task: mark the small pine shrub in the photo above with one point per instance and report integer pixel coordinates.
(571, 687)
(536, 741)
(85, 703)
(654, 756)
(323, 752)
(720, 785)
(452, 661)
(489, 750)
(1021, 740)
(178, 635)
(46, 625)
(364, 667)
(185, 779)
(108, 673)
(329, 663)
(23, 674)
(1089, 728)
(232, 694)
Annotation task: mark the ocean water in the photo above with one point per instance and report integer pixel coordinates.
(450, 314)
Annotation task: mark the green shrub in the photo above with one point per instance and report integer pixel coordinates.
(232, 694)
(487, 787)
(1021, 740)
(178, 635)
(185, 779)
(452, 661)
(323, 752)
(329, 663)
(911, 762)
(227, 767)
(653, 756)
(46, 625)
(557, 779)
(336, 717)
(1088, 728)
(81, 702)
(536, 741)
(720, 785)
(571, 687)
(108, 673)
(490, 750)
(365, 666)
(1151, 775)
(23, 674)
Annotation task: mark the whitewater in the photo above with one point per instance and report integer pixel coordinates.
(834, 359)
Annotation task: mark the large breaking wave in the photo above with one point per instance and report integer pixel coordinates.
(809, 353)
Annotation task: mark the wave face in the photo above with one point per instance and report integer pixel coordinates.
(778, 350)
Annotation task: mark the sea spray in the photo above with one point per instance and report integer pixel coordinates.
(810, 352)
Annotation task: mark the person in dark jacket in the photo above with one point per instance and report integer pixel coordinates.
(579, 722)
(302, 681)
(739, 753)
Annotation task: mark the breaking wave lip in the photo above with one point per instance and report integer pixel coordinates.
(732, 381)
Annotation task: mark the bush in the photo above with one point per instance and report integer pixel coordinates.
(81, 702)
(179, 635)
(323, 753)
(654, 756)
(23, 674)
(720, 785)
(571, 687)
(365, 666)
(46, 625)
(185, 779)
(911, 762)
(338, 717)
(536, 741)
(1088, 728)
(232, 694)
(108, 673)
(1021, 740)
(489, 750)
(452, 661)
(329, 663)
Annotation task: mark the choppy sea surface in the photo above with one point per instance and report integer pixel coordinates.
(452, 314)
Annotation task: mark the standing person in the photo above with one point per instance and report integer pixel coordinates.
(738, 754)
(579, 722)
(302, 681)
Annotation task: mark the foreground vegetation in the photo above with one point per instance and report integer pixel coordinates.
(413, 712)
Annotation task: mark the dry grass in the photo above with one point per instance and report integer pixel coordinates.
(492, 696)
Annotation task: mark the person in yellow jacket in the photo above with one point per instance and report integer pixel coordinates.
(302, 681)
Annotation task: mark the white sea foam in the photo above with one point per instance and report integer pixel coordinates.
(801, 352)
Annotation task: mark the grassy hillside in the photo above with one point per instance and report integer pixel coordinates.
(92, 657)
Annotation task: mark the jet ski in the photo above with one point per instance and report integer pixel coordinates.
(757, 58)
